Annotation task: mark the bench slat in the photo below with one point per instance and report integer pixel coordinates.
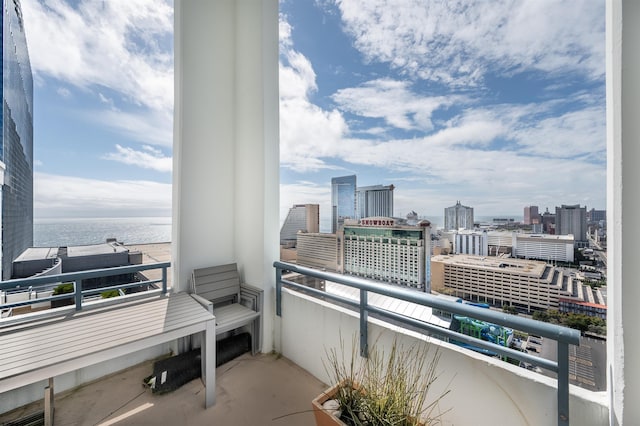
(84, 338)
(44, 347)
(116, 317)
(230, 267)
(233, 313)
(219, 289)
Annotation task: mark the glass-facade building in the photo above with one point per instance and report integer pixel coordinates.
(343, 201)
(16, 150)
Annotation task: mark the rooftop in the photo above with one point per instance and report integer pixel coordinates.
(513, 266)
(95, 249)
(546, 237)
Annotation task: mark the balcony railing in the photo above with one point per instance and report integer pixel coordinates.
(77, 278)
(562, 335)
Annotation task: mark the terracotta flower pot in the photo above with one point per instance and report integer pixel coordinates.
(324, 417)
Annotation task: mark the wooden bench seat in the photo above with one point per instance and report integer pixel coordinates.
(42, 349)
(233, 303)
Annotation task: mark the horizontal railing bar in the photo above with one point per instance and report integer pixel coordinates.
(555, 332)
(82, 275)
(120, 286)
(34, 301)
(77, 278)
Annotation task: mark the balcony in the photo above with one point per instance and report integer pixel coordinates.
(279, 388)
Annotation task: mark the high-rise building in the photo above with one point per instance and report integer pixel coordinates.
(471, 242)
(317, 250)
(531, 215)
(552, 248)
(378, 248)
(458, 217)
(16, 150)
(572, 220)
(548, 222)
(594, 215)
(376, 200)
(301, 217)
(343, 200)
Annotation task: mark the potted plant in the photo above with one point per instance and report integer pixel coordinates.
(383, 389)
(63, 288)
(109, 294)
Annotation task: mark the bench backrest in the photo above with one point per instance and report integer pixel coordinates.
(217, 282)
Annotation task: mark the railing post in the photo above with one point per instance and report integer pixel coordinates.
(164, 280)
(364, 333)
(77, 285)
(279, 292)
(563, 384)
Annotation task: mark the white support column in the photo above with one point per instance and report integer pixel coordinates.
(226, 142)
(623, 205)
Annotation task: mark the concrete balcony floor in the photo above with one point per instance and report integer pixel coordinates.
(250, 390)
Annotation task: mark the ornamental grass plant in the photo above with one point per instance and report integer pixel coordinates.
(389, 387)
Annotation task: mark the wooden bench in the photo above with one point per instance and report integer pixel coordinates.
(42, 349)
(233, 303)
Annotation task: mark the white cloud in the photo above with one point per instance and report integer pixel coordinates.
(147, 158)
(56, 195)
(105, 100)
(500, 151)
(456, 42)
(143, 125)
(569, 135)
(123, 45)
(307, 132)
(63, 92)
(284, 32)
(393, 101)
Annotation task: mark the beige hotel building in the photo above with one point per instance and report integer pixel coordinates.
(527, 284)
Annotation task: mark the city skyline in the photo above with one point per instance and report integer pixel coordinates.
(508, 112)
(497, 105)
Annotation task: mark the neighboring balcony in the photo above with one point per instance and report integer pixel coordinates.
(278, 387)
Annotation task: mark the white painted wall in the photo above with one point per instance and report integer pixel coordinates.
(484, 391)
(623, 205)
(226, 142)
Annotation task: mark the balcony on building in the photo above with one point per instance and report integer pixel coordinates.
(226, 209)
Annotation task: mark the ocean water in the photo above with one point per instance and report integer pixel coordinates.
(134, 230)
(83, 231)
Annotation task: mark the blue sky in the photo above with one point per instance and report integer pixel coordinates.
(103, 106)
(497, 104)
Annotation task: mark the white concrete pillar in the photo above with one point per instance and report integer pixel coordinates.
(226, 141)
(623, 205)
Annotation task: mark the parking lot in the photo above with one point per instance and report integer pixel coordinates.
(586, 362)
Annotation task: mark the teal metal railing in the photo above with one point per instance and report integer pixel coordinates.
(77, 278)
(562, 335)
